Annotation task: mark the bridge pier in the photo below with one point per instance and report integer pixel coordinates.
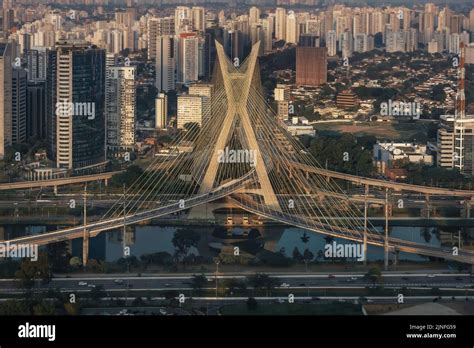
(85, 249)
(427, 209)
(466, 210)
(396, 255)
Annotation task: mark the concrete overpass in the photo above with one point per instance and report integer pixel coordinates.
(21, 185)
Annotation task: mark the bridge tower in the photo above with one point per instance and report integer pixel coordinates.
(238, 82)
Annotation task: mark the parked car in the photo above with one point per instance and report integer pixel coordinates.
(118, 281)
(284, 285)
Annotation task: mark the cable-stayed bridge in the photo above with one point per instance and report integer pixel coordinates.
(240, 153)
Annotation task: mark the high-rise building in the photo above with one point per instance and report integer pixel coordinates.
(158, 27)
(188, 58)
(282, 92)
(36, 61)
(36, 110)
(395, 41)
(121, 114)
(363, 43)
(190, 110)
(199, 20)
(165, 63)
(331, 43)
(471, 20)
(19, 105)
(267, 28)
(292, 31)
(233, 45)
(161, 111)
(206, 91)
(5, 96)
(308, 40)
(311, 66)
(254, 15)
(75, 109)
(280, 24)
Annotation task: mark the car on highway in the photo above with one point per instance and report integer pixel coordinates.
(458, 278)
(163, 312)
(90, 285)
(118, 281)
(431, 276)
(331, 276)
(167, 285)
(405, 278)
(284, 285)
(82, 283)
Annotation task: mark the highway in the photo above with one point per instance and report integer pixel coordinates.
(457, 282)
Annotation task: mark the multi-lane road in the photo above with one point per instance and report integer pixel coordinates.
(285, 281)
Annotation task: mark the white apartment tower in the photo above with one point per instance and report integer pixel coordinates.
(161, 111)
(280, 24)
(165, 63)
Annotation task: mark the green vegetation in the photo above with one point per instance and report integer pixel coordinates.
(183, 240)
(344, 153)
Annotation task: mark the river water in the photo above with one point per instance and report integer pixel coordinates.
(148, 239)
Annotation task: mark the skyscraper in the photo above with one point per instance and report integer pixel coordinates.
(121, 115)
(188, 58)
(5, 96)
(158, 27)
(19, 104)
(280, 24)
(311, 66)
(165, 63)
(36, 61)
(36, 110)
(291, 29)
(331, 43)
(76, 122)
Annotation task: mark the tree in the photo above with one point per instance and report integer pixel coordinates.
(43, 309)
(75, 262)
(374, 275)
(297, 255)
(14, 307)
(32, 270)
(128, 177)
(58, 256)
(305, 238)
(183, 240)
